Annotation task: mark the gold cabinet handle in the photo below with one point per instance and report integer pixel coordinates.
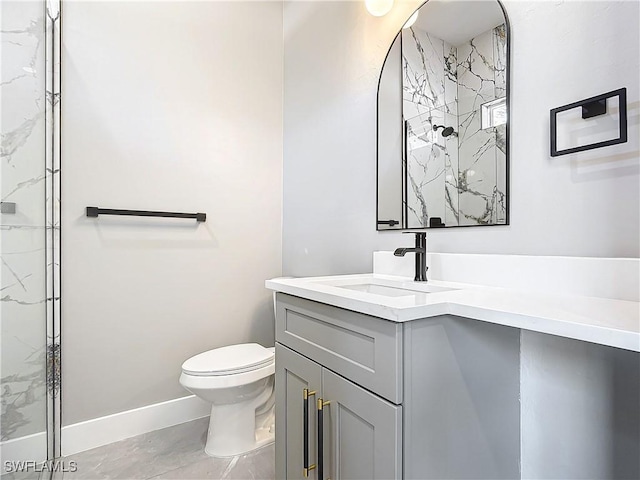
(321, 405)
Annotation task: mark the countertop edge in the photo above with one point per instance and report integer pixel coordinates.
(598, 334)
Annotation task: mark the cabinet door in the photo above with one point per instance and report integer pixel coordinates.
(294, 374)
(362, 432)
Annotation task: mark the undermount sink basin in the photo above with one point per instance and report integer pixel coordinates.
(379, 289)
(385, 287)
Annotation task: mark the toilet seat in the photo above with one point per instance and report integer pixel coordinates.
(226, 381)
(229, 360)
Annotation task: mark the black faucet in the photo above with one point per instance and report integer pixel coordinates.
(421, 256)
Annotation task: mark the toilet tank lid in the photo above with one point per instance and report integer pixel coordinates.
(229, 359)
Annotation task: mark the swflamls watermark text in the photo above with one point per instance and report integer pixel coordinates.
(13, 466)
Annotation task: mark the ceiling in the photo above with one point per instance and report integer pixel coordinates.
(457, 21)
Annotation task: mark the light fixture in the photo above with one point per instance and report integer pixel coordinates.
(412, 20)
(378, 8)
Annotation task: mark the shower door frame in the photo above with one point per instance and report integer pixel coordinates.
(53, 234)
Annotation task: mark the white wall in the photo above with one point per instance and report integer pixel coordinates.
(577, 205)
(166, 106)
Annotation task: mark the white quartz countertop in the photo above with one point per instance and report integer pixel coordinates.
(615, 323)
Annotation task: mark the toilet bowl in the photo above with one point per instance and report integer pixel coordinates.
(238, 381)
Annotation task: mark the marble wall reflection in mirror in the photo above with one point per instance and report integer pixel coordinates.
(443, 133)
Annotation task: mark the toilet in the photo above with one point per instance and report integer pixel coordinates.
(238, 381)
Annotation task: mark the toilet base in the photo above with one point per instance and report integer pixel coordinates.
(237, 430)
(264, 438)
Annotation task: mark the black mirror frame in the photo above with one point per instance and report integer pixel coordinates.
(507, 129)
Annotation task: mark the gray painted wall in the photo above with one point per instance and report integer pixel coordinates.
(162, 111)
(579, 205)
(579, 413)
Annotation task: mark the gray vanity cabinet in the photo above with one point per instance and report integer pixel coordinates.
(294, 374)
(432, 398)
(362, 431)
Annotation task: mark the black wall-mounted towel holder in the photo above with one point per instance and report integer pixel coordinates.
(95, 211)
(592, 107)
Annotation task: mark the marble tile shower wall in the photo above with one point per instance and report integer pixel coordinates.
(446, 85)
(482, 179)
(430, 90)
(28, 248)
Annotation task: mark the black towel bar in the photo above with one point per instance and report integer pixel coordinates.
(95, 211)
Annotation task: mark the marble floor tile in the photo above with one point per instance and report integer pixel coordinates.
(172, 453)
(215, 468)
(257, 465)
(30, 475)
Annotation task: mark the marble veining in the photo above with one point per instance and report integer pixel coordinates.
(460, 178)
(23, 44)
(431, 163)
(20, 394)
(481, 78)
(29, 252)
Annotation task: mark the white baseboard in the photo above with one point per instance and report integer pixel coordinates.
(112, 428)
(30, 448)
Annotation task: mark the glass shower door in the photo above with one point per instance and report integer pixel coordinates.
(431, 166)
(29, 234)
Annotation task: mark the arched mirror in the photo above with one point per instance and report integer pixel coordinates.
(443, 123)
